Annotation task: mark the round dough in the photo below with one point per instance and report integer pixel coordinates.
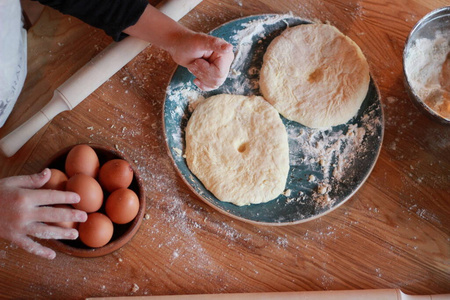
(315, 75)
(238, 147)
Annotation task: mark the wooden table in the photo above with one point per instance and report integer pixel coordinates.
(393, 233)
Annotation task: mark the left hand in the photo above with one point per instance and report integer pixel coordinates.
(24, 210)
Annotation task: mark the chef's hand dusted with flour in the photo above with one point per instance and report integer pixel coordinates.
(24, 212)
(208, 58)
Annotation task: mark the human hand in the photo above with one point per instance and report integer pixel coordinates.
(208, 58)
(23, 210)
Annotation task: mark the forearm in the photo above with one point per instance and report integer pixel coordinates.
(158, 29)
(208, 58)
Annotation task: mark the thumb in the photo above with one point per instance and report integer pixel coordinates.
(33, 181)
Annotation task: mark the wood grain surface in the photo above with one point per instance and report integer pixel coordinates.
(393, 233)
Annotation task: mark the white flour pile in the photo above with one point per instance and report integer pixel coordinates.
(429, 73)
(330, 155)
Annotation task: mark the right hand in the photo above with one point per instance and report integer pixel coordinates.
(207, 57)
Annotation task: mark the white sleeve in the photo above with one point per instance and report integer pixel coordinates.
(13, 56)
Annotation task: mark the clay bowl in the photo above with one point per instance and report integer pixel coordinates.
(427, 27)
(122, 232)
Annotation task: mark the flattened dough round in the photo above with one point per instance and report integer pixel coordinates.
(237, 146)
(315, 75)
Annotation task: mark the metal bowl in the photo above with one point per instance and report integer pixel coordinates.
(436, 21)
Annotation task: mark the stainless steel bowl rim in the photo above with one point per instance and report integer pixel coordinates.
(443, 11)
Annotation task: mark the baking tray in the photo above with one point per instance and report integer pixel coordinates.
(326, 166)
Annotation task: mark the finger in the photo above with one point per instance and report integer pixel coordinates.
(219, 45)
(33, 247)
(203, 87)
(56, 214)
(207, 55)
(216, 72)
(44, 231)
(223, 63)
(33, 181)
(206, 73)
(50, 197)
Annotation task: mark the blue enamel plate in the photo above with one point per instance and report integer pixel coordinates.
(326, 166)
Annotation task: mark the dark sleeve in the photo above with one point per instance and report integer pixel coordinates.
(113, 16)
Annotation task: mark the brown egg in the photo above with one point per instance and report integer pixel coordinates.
(88, 189)
(122, 206)
(115, 174)
(69, 224)
(57, 181)
(97, 231)
(82, 159)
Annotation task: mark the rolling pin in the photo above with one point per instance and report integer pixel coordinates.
(382, 294)
(87, 79)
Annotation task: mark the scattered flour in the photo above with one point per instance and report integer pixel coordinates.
(334, 153)
(177, 229)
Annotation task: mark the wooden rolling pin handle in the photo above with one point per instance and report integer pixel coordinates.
(87, 79)
(96, 72)
(11, 143)
(382, 294)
